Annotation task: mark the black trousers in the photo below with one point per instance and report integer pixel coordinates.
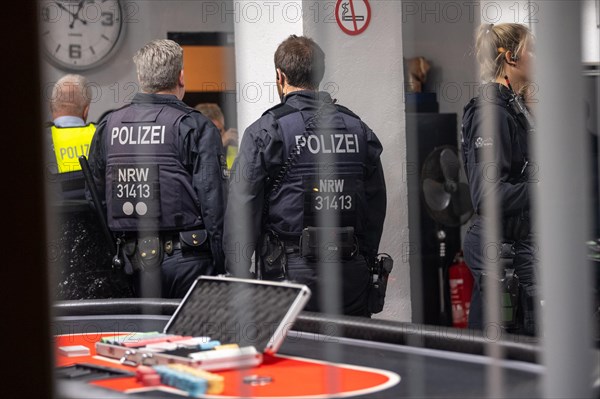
(477, 253)
(350, 278)
(174, 276)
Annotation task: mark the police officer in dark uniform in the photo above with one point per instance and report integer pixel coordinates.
(495, 146)
(160, 166)
(307, 190)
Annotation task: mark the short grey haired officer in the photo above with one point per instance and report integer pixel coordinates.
(160, 166)
(71, 97)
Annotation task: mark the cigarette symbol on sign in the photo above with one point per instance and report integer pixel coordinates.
(353, 17)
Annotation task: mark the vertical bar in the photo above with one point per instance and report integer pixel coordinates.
(597, 130)
(253, 68)
(492, 329)
(562, 211)
(24, 286)
(330, 272)
(412, 256)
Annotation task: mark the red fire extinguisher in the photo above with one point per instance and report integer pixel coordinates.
(461, 286)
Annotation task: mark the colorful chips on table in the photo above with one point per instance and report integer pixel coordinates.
(194, 386)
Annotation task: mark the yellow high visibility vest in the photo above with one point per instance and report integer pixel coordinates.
(231, 154)
(69, 144)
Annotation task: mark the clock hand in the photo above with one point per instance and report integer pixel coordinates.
(79, 7)
(64, 8)
(74, 15)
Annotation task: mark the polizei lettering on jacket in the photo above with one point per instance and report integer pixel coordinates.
(143, 135)
(335, 143)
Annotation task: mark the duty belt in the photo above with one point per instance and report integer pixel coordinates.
(293, 247)
(193, 240)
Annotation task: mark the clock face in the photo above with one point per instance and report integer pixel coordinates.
(80, 34)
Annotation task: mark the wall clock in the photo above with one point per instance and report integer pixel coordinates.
(79, 35)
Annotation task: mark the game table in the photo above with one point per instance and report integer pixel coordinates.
(322, 356)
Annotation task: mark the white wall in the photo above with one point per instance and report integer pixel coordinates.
(114, 83)
(365, 74)
(264, 26)
(591, 31)
(510, 11)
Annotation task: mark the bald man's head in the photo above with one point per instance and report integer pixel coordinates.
(71, 96)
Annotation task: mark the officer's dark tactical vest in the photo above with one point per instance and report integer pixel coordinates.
(325, 186)
(147, 187)
(519, 158)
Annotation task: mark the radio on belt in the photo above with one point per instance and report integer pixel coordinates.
(222, 323)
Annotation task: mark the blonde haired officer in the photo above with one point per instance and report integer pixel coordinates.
(495, 133)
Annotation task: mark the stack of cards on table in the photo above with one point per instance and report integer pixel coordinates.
(74, 350)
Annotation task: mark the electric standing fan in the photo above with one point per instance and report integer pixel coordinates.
(447, 201)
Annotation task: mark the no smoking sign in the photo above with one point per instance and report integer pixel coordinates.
(353, 16)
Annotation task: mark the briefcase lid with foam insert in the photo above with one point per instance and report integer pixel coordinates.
(245, 312)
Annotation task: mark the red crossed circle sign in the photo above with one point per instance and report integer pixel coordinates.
(353, 16)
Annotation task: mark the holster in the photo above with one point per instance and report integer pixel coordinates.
(128, 252)
(272, 262)
(380, 269)
(506, 255)
(149, 252)
(508, 284)
(328, 243)
(529, 301)
(144, 253)
(516, 227)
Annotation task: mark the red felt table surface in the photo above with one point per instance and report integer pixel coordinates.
(290, 377)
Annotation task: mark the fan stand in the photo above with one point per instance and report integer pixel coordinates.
(441, 236)
(447, 200)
